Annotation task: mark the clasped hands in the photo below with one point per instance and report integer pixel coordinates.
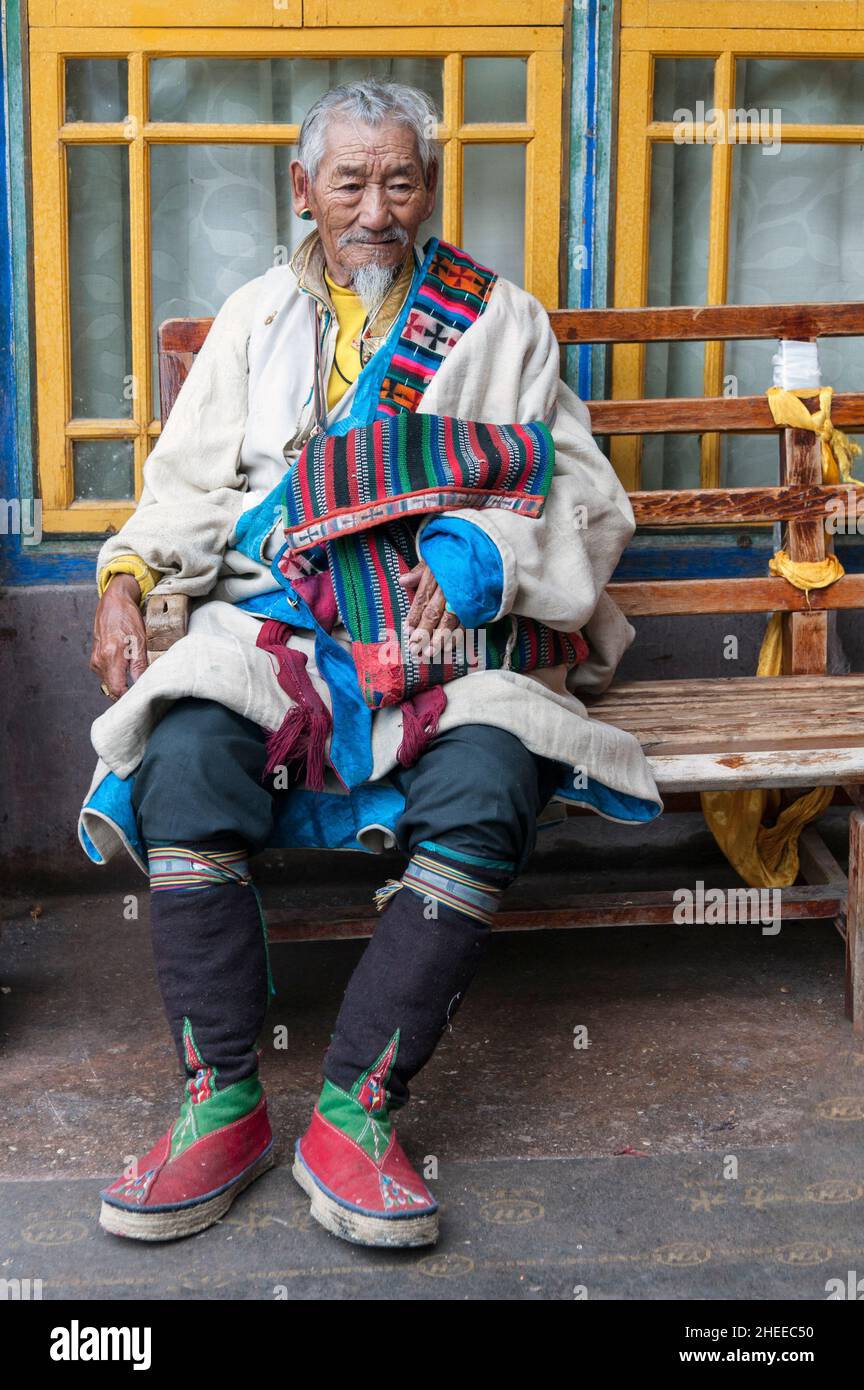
(119, 654)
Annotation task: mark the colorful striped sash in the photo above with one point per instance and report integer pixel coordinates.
(411, 465)
(452, 295)
(356, 494)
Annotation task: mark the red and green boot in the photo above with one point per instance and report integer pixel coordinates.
(356, 1172)
(220, 1142)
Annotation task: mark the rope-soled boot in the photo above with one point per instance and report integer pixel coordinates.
(210, 948)
(407, 986)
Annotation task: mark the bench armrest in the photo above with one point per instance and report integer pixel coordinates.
(166, 618)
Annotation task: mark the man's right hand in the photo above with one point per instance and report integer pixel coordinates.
(119, 640)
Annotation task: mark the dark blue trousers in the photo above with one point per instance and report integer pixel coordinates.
(475, 793)
(476, 789)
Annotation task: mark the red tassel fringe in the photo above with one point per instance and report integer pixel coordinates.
(420, 717)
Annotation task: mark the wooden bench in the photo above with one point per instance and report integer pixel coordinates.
(801, 729)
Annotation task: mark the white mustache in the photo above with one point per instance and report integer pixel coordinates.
(374, 239)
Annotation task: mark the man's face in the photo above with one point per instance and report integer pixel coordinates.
(368, 197)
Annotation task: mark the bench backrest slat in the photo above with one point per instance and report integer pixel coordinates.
(704, 323)
(801, 501)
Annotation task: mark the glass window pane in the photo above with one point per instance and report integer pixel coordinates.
(103, 468)
(238, 90)
(826, 91)
(678, 236)
(670, 460)
(221, 214)
(795, 235)
(96, 89)
(679, 83)
(98, 198)
(495, 89)
(494, 221)
(677, 274)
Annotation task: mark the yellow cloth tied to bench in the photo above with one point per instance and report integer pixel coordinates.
(766, 855)
(838, 450)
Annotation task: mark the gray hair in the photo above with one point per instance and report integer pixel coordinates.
(375, 103)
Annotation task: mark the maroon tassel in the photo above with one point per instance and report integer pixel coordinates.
(420, 716)
(303, 733)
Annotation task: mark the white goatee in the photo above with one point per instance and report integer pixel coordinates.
(371, 282)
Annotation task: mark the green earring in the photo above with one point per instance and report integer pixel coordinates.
(306, 215)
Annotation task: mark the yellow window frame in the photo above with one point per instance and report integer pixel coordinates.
(638, 133)
(540, 133)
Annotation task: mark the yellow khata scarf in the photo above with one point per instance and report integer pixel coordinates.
(766, 856)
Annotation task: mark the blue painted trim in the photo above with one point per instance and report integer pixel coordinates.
(586, 286)
(651, 557)
(56, 560)
(591, 136)
(8, 396)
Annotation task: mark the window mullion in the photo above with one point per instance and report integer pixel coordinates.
(139, 248)
(718, 254)
(543, 175)
(452, 183)
(631, 243)
(50, 236)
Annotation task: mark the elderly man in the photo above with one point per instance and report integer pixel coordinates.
(396, 530)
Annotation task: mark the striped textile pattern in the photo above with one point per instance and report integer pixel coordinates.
(453, 295)
(413, 465)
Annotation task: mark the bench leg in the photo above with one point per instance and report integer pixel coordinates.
(855, 923)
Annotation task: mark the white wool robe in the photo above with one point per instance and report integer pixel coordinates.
(242, 417)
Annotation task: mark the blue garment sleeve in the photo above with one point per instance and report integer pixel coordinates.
(467, 566)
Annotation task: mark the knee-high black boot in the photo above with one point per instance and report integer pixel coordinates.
(409, 983)
(415, 971)
(211, 961)
(210, 951)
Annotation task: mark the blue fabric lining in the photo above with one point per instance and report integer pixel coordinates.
(113, 798)
(328, 820)
(255, 525)
(477, 859)
(467, 565)
(331, 820)
(608, 802)
(303, 820)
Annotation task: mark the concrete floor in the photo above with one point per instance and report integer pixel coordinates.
(558, 1168)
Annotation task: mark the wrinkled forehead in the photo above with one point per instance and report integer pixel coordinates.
(353, 146)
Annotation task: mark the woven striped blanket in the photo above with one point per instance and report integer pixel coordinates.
(358, 495)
